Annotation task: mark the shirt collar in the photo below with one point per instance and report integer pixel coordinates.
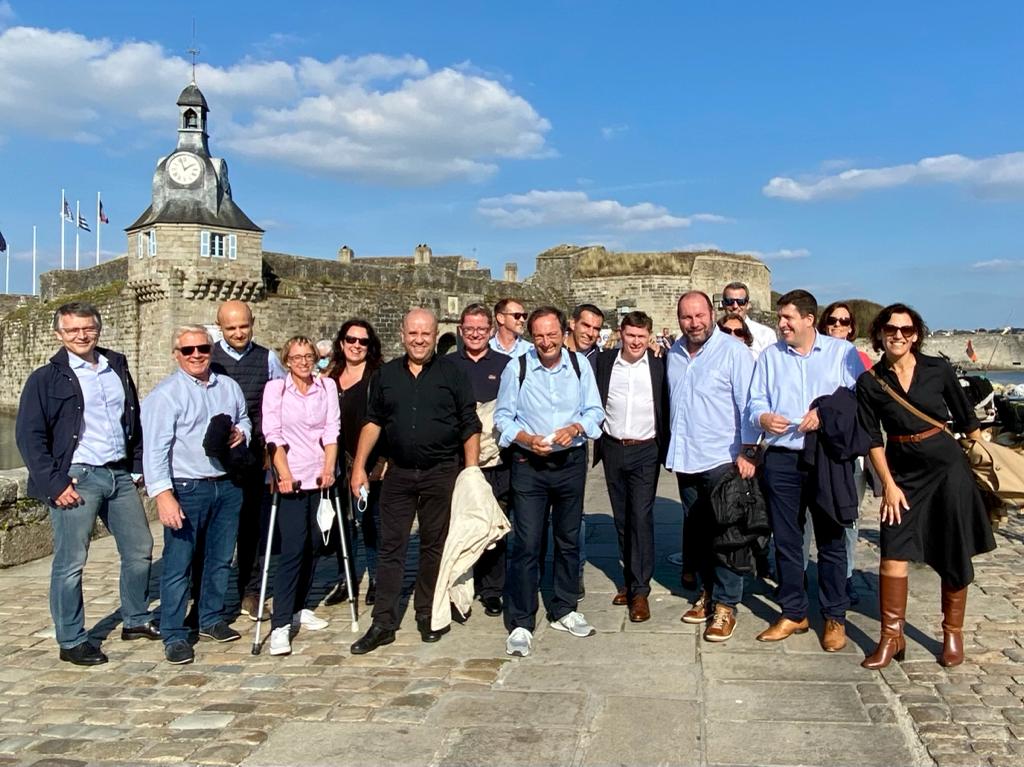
(289, 383)
(535, 362)
(77, 362)
(619, 362)
(233, 351)
(816, 346)
(195, 381)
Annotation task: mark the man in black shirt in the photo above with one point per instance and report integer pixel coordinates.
(425, 406)
(483, 367)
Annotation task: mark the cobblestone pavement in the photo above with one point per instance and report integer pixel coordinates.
(651, 693)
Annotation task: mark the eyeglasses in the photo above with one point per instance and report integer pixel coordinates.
(89, 331)
(739, 332)
(301, 358)
(357, 340)
(468, 331)
(188, 351)
(517, 315)
(904, 330)
(734, 302)
(843, 322)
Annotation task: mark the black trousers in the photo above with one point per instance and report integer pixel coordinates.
(407, 494)
(489, 570)
(252, 532)
(296, 526)
(631, 474)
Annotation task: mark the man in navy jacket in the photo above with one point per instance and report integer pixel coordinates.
(79, 432)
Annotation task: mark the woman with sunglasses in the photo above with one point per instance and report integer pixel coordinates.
(931, 509)
(838, 321)
(300, 418)
(737, 326)
(357, 354)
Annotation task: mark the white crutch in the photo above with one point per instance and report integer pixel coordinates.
(347, 563)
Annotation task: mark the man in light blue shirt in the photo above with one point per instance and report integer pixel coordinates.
(195, 498)
(548, 406)
(509, 322)
(708, 378)
(788, 377)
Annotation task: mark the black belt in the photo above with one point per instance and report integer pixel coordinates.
(774, 449)
(629, 442)
(201, 479)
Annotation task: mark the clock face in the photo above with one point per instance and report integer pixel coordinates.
(184, 168)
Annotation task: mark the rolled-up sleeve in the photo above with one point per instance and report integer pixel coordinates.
(158, 422)
(591, 412)
(273, 394)
(332, 419)
(505, 406)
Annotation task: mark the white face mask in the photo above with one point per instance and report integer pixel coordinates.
(325, 516)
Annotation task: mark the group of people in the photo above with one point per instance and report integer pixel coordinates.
(741, 413)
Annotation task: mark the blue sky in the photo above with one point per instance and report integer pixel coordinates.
(870, 151)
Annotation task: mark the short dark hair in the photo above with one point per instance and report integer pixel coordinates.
(77, 309)
(578, 311)
(823, 319)
(804, 302)
(875, 331)
(737, 286)
(546, 311)
(702, 294)
(499, 308)
(477, 310)
(748, 337)
(637, 319)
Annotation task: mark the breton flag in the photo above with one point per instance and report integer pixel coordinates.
(82, 223)
(103, 216)
(971, 354)
(67, 213)
(3, 243)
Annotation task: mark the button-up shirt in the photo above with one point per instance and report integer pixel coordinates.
(785, 382)
(304, 422)
(763, 336)
(275, 369)
(519, 348)
(175, 417)
(102, 438)
(707, 395)
(629, 409)
(549, 399)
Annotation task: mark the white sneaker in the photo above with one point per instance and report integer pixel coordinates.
(575, 624)
(519, 642)
(309, 620)
(281, 641)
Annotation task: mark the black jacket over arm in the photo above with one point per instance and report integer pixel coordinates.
(659, 388)
(832, 451)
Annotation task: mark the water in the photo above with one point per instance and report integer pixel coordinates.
(10, 458)
(1005, 376)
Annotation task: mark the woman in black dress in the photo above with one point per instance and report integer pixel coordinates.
(931, 509)
(357, 354)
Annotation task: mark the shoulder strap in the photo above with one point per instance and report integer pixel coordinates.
(522, 369)
(575, 364)
(906, 405)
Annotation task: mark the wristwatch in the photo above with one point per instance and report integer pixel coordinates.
(750, 452)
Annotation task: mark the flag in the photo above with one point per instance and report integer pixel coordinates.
(67, 213)
(103, 216)
(3, 243)
(971, 354)
(82, 223)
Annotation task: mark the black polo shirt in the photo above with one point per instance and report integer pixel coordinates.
(426, 418)
(484, 374)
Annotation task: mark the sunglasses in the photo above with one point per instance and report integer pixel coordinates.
(188, 351)
(843, 322)
(357, 340)
(517, 315)
(904, 330)
(735, 301)
(739, 332)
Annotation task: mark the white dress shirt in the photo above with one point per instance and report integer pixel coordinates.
(102, 437)
(629, 412)
(763, 336)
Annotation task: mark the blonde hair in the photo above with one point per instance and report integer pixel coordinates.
(296, 341)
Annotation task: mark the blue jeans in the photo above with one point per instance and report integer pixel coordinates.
(211, 509)
(109, 494)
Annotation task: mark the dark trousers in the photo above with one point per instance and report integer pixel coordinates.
(296, 526)
(789, 490)
(724, 583)
(369, 522)
(631, 473)
(537, 483)
(489, 570)
(425, 494)
(252, 531)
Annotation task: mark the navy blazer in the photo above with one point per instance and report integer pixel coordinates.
(603, 363)
(50, 418)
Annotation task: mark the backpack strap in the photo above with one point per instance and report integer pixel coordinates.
(572, 359)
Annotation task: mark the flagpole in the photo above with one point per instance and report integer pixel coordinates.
(63, 201)
(99, 225)
(34, 258)
(78, 228)
(7, 271)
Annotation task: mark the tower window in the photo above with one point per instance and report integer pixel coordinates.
(218, 245)
(146, 244)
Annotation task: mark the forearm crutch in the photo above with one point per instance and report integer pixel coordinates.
(274, 501)
(347, 563)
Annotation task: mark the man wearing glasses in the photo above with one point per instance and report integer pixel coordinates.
(510, 319)
(194, 496)
(736, 303)
(79, 433)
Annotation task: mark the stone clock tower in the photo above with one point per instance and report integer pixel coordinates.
(193, 246)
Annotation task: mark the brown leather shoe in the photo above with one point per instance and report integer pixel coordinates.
(639, 610)
(700, 611)
(722, 624)
(783, 628)
(620, 598)
(833, 639)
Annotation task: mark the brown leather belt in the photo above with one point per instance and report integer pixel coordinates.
(921, 436)
(629, 442)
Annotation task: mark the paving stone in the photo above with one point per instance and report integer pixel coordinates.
(165, 752)
(540, 709)
(803, 702)
(791, 743)
(617, 740)
(663, 679)
(516, 745)
(202, 720)
(785, 668)
(380, 744)
(979, 714)
(221, 753)
(922, 714)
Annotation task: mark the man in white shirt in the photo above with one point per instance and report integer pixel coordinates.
(736, 303)
(509, 322)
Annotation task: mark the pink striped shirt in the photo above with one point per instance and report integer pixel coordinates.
(303, 422)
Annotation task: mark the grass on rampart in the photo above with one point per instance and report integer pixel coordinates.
(44, 309)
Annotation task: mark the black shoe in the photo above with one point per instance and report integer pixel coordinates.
(427, 634)
(220, 632)
(492, 605)
(371, 593)
(456, 615)
(338, 594)
(179, 652)
(84, 654)
(148, 630)
(376, 637)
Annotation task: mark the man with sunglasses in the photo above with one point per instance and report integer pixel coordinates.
(78, 431)
(510, 321)
(736, 303)
(195, 498)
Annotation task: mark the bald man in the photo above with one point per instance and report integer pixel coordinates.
(425, 405)
(250, 366)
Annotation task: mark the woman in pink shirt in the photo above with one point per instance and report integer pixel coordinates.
(300, 418)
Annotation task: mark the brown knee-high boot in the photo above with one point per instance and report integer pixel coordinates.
(892, 598)
(954, 604)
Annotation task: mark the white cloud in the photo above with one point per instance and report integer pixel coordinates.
(998, 265)
(699, 247)
(559, 207)
(382, 118)
(999, 173)
(783, 254)
(609, 132)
